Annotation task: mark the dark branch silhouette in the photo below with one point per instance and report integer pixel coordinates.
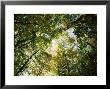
(25, 64)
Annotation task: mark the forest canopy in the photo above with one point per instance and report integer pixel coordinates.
(55, 44)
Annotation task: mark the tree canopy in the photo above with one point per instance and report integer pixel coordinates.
(55, 44)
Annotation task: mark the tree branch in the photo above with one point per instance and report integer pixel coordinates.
(25, 63)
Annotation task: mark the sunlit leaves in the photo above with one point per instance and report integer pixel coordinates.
(55, 44)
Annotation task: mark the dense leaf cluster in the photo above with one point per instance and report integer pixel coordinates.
(55, 44)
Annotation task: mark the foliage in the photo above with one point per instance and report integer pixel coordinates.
(55, 44)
